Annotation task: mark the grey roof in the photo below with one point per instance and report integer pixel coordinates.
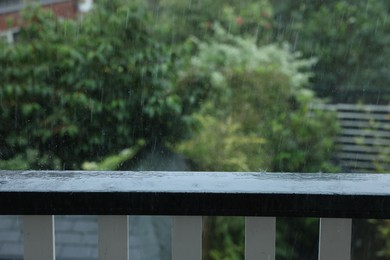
(10, 237)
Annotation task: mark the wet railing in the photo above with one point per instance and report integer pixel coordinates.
(187, 196)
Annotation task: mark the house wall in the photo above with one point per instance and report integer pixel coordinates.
(65, 9)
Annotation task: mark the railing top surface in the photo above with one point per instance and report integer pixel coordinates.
(196, 182)
(195, 193)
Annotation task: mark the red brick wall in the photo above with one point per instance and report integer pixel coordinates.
(4, 20)
(66, 9)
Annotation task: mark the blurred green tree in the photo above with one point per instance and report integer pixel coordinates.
(78, 90)
(257, 117)
(349, 38)
(196, 18)
(258, 97)
(75, 91)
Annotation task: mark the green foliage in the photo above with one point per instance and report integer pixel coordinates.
(256, 117)
(113, 162)
(229, 235)
(383, 228)
(257, 93)
(76, 91)
(297, 238)
(349, 38)
(80, 90)
(196, 18)
(302, 141)
(222, 146)
(30, 160)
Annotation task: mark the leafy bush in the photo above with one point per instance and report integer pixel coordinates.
(352, 45)
(222, 146)
(80, 90)
(30, 159)
(196, 18)
(256, 117)
(259, 93)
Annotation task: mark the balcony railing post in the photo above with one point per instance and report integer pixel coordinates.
(260, 238)
(39, 243)
(113, 237)
(187, 238)
(335, 239)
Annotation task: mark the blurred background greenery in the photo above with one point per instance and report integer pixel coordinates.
(226, 83)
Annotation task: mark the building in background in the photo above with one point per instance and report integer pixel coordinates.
(10, 13)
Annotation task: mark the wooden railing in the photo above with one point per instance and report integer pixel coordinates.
(187, 196)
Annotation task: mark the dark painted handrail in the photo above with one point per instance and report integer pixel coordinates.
(195, 193)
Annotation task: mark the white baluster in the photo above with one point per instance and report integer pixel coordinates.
(187, 238)
(39, 241)
(260, 238)
(113, 237)
(335, 239)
